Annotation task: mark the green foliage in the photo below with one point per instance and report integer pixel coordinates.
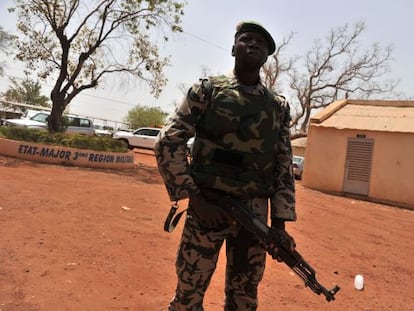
(83, 42)
(336, 67)
(5, 40)
(60, 139)
(27, 92)
(142, 116)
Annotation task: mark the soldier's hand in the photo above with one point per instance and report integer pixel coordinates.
(209, 214)
(278, 228)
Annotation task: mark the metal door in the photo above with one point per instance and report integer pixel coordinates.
(358, 165)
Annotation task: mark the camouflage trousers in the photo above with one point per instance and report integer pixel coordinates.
(197, 258)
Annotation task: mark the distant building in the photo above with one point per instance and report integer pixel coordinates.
(299, 146)
(363, 148)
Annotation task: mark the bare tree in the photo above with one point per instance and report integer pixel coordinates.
(338, 68)
(278, 65)
(80, 42)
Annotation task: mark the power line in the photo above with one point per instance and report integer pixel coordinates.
(205, 41)
(80, 94)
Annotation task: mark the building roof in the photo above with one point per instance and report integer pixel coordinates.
(299, 142)
(371, 115)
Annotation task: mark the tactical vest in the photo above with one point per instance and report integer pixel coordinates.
(236, 143)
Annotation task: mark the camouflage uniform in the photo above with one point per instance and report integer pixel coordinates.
(221, 138)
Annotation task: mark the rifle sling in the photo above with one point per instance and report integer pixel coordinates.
(172, 220)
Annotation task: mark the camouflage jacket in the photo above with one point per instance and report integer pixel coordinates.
(171, 148)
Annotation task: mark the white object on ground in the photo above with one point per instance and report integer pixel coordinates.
(359, 282)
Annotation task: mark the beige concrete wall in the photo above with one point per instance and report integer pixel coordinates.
(298, 150)
(299, 146)
(64, 155)
(324, 159)
(392, 173)
(392, 177)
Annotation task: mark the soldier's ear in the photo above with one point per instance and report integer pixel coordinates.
(232, 51)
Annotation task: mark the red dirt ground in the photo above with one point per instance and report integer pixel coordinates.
(87, 239)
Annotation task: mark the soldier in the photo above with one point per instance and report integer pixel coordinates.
(241, 148)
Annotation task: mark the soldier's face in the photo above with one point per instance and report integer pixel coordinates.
(251, 49)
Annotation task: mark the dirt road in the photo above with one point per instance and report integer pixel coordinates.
(86, 239)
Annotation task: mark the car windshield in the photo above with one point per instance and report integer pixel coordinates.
(147, 132)
(40, 117)
(297, 159)
(75, 121)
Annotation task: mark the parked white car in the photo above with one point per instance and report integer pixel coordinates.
(101, 130)
(30, 113)
(143, 137)
(298, 163)
(76, 124)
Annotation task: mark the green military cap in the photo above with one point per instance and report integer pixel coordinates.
(255, 27)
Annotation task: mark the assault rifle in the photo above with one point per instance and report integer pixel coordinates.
(267, 235)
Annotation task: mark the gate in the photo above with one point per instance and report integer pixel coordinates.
(358, 165)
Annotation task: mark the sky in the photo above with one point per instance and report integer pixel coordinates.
(209, 27)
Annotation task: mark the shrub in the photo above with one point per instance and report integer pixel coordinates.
(73, 141)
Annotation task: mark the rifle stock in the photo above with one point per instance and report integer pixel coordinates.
(292, 259)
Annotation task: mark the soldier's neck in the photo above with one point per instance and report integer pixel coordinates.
(248, 78)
